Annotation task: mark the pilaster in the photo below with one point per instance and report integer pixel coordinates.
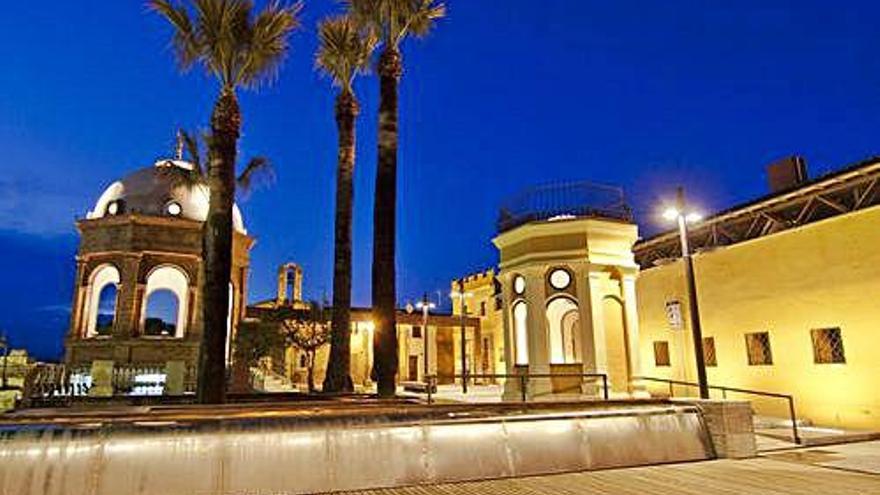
(630, 306)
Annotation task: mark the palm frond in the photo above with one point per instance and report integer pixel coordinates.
(392, 20)
(344, 50)
(269, 43)
(184, 40)
(421, 19)
(233, 44)
(258, 170)
(194, 152)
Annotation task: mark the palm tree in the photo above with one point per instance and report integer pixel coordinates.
(257, 170)
(241, 49)
(391, 21)
(343, 53)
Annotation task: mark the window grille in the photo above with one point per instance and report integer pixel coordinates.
(827, 346)
(661, 353)
(758, 348)
(709, 355)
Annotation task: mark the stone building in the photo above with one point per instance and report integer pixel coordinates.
(787, 287)
(441, 335)
(139, 266)
(482, 300)
(563, 301)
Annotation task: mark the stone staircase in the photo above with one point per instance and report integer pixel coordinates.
(266, 381)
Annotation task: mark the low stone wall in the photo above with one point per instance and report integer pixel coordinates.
(730, 426)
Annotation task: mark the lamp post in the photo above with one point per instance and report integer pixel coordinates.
(461, 295)
(425, 305)
(679, 214)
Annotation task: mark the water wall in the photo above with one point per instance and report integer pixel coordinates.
(342, 454)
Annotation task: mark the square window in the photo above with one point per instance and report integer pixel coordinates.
(827, 346)
(709, 355)
(417, 332)
(758, 348)
(661, 353)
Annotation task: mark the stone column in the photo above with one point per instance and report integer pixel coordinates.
(175, 375)
(79, 291)
(102, 379)
(539, 349)
(631, 316)
(597, 320)
(130, 299)
(586, 322)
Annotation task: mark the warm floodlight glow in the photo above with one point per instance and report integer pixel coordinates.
(455, 294)
(670, 214)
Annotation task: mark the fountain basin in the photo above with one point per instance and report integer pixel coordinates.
(336, 450)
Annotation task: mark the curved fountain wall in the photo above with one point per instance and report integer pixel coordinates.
(344, 455)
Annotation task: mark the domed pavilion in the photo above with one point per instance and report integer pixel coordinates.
(139, 265)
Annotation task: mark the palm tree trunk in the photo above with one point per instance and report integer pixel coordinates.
(217, 248)
(384, 226)
(338, 377)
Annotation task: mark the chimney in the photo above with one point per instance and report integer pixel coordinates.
(786, 173)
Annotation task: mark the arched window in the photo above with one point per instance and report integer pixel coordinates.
(564, 330)
(101, 295)
(106, 310)
(521, 332)
(163, 308)
(166, 301)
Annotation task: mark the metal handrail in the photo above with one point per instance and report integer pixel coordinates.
(725, 389)
(431, 380)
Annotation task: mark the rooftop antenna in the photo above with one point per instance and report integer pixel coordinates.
(178, 154)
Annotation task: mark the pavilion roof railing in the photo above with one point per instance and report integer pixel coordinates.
(563, 201)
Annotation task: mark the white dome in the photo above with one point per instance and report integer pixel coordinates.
(159, 191)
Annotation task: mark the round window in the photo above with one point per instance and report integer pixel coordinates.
(174, 209)
(114, 207)
(519, 285)
(560, 279)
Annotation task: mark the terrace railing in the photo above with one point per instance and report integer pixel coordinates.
(522, 378)
(564, 201)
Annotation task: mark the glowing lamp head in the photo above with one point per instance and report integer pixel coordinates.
(424, 305)
(671, 214)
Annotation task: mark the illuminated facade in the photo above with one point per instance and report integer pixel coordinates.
(570, 288)
(788, 291)
(483, 301)
(563, 301)
(136, 298)
(441, 333)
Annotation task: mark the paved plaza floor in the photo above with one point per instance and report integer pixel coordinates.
(850, 469)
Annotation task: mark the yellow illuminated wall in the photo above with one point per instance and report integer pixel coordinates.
(481, 303)
(825, 274)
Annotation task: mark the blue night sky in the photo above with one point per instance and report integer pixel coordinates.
(504, 94)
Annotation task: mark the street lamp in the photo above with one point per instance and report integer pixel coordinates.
(425, 305)
(461, 295)
(680, 214)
